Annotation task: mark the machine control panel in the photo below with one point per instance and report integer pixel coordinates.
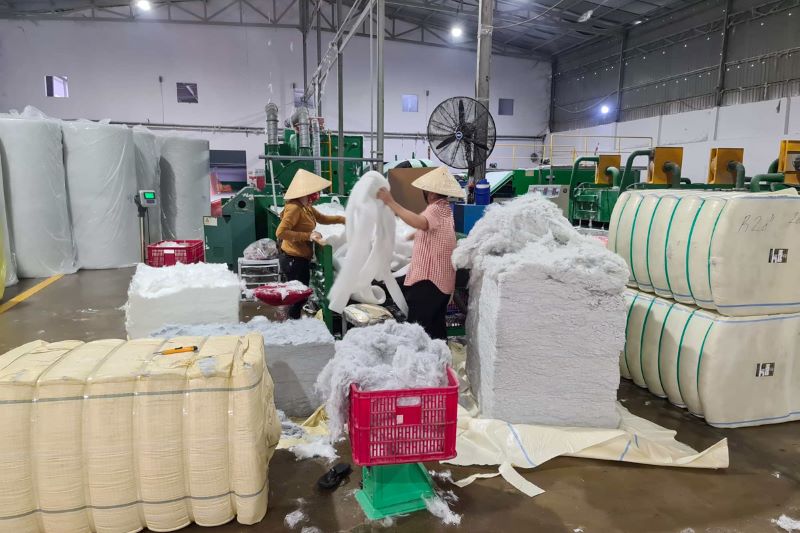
(549, 191)
(147, 198)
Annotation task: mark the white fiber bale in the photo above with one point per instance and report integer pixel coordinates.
(730, 252)
(199, 293)
(110, 436)
(296, 351)
(734, 371)
(185, 187)
(101, 180)
(8, 266)
(148, 174)
(36, 197)
(567, 372)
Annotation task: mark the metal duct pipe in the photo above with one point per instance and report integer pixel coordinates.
(613, 173)
(674, 171)
(773, 167)
(301, 121)
(755, 183)
(272, 123)
(316, 149)
(627, 175)
(737, 169)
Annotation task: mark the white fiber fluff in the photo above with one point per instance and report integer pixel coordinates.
(101, 179)
(388, 356)
(296, 351)
(546, 317)
(370, 248)
(181, 294)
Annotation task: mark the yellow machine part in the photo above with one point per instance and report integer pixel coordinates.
(718, 172)
(663, 154)
(606, 160)
(789, 161)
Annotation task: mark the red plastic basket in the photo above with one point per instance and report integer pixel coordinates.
(159, 256)
(404, 426)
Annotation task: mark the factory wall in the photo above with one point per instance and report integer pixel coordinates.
(757, 127)
(113, 71)
(671, 64)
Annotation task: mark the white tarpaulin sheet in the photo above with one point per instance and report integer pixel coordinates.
(8, 266)
(148, 175)
(732, 252)
(110, 436)
(185, 187)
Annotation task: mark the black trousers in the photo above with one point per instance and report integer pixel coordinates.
(427, 306)
(295, 269)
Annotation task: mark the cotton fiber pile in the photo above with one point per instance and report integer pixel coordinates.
(386, 356)
(296, 351)
(546, 317)
(112, 436)
(200, 293)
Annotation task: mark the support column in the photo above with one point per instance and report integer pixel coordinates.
(485, 21)
(621, 75)
(551, 121)
(304, 25)
(381, 31)
(723, 57)
(340, 81)
(319, 54)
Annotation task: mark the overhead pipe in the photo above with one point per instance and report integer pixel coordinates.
(272, 123)
(316, 149)
(737, 170)
(771, 177)
(301, 121)
(627, 175)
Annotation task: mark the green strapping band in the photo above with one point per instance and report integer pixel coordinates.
(700, 357)
(661, 338)
(616, 230)
(630, 247)
(689, 247)
(627, 323)
(641, 339)
(666, 243)
(711, 240)
(680, 347)
(647, 250)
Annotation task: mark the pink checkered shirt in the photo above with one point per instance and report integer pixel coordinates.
(433, 249)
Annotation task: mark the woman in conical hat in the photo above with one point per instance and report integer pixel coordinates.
(296, 232)
(431, 278)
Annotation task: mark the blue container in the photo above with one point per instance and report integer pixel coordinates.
(466, 215)
(482, 192)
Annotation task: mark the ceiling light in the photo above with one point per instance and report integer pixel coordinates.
(637, 22)
(605, 109)
(456, 31)
(144, 5)
(586, 16)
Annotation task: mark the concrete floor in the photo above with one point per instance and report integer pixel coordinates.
(762, 483)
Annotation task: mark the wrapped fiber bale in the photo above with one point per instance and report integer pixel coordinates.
(8, 266)
(110, 436)
(530, 266)
(101, 179)
(733, 371)
(730, 252)
(185, 187)
(148, 174)
(297, 351)
(200, 293)
(36, 196)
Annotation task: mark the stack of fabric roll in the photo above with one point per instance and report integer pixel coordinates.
(713, 307)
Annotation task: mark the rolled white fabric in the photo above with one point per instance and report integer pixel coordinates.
(185, 187)
(148, 174)
(8, 276)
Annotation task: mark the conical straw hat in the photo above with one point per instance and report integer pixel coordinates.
(305, 183)
(440, 181)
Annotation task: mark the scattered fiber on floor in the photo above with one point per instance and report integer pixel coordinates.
(180, 294)
(786, 523)
(380, 357)
(294, 518)
(440, 509)
(546, 317)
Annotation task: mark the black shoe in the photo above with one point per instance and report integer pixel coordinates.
(334, 477)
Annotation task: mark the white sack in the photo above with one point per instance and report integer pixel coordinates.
(296, 351)
(527, 261)
(148, 174)
(370, 248)
(8, 266)
(101, 180)
(734, 371)
(199, 293)
(36, 196)
(185, 187)
(731, 252)
(109, 436)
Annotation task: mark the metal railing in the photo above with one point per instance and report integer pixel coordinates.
(564, 149)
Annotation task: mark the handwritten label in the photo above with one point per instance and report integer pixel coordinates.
(778, 255)
(755, 224)
(795, 218)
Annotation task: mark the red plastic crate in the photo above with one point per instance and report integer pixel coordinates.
(159, 256)
(404, 426)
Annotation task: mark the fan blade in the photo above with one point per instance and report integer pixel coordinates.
(477, 143)
(461, 111)
(445, 142)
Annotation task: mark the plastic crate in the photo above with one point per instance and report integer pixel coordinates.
(193, 251)
(404, 426)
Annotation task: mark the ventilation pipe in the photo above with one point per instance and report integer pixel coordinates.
(301, 121)
(315, 146)
(272, 123)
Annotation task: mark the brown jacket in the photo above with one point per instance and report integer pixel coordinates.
(297, 223)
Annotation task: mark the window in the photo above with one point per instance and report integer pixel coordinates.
(56, 86)
(410, 103)
(506, 106)
(187, 93)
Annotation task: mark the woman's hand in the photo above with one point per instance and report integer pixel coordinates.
(385, 196)
(316, 237)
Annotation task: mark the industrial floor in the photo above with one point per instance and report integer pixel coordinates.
(762, 483)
